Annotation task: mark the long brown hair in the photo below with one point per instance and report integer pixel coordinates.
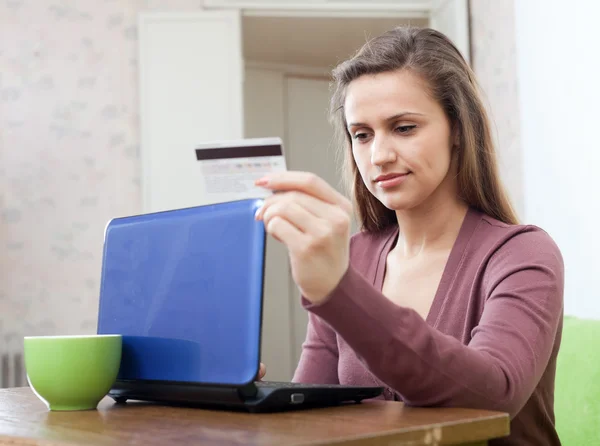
(432, 56)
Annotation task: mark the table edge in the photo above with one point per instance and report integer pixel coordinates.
(501, 429)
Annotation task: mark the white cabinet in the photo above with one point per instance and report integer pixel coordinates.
(191, 74)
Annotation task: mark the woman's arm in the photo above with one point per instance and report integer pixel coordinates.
(319, 359)
(509, 349)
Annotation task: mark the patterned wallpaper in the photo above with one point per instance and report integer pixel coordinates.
(68, 154)
(69, 143)
(494, 61)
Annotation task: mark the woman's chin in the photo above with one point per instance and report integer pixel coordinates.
(396, 203)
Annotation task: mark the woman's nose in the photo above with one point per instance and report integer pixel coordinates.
(382, 151)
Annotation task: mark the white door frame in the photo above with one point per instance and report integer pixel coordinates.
(409, 9)
(448, 16)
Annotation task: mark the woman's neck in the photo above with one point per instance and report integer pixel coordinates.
(430, 227)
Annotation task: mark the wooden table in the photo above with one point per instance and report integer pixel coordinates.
(24, 420)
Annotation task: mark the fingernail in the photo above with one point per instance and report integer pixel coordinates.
(257, 213)
(262, 181)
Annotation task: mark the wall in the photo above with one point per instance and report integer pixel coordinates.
(558, 66)
(68, 154)
(540, 83)
(495, 64)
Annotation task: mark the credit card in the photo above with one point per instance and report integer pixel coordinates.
(230, 168)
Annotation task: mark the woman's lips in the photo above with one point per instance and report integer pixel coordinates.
(391, 180)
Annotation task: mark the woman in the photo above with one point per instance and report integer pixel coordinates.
(442, 297)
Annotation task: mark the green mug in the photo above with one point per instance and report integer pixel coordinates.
(72, 372)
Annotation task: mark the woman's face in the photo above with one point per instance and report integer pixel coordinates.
(401, 139)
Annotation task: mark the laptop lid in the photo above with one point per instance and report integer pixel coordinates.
(184, 288)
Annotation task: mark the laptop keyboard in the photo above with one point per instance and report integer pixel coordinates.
(291, 385)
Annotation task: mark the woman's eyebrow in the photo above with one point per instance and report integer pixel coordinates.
(391, 118)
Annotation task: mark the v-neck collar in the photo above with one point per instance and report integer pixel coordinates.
(455, 259)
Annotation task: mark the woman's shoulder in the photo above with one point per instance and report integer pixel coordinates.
(528, 236)
(507, 246)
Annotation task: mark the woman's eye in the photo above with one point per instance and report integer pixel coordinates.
(361, 136)
(405, 128)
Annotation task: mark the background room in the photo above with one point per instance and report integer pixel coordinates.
(101, 104)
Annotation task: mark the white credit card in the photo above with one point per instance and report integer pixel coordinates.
(230, 168)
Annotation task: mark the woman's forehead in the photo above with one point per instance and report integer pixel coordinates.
(387, 94)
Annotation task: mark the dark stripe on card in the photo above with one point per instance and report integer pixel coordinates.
(238, 152)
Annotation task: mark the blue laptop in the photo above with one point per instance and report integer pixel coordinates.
(185, 289)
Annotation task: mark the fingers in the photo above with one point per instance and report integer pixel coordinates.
(316, 207)
(295, 213)
(306, 182)
(311, 216)
(262, 371)
(285, 232)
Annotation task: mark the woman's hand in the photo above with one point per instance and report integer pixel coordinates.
(313, 220)
(262, 371)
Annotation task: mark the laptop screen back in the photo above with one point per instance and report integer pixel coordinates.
(184, 288)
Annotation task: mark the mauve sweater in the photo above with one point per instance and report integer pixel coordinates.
(490, 340)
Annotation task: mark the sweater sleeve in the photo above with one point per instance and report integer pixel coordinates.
(319, 359)
(509, 349)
